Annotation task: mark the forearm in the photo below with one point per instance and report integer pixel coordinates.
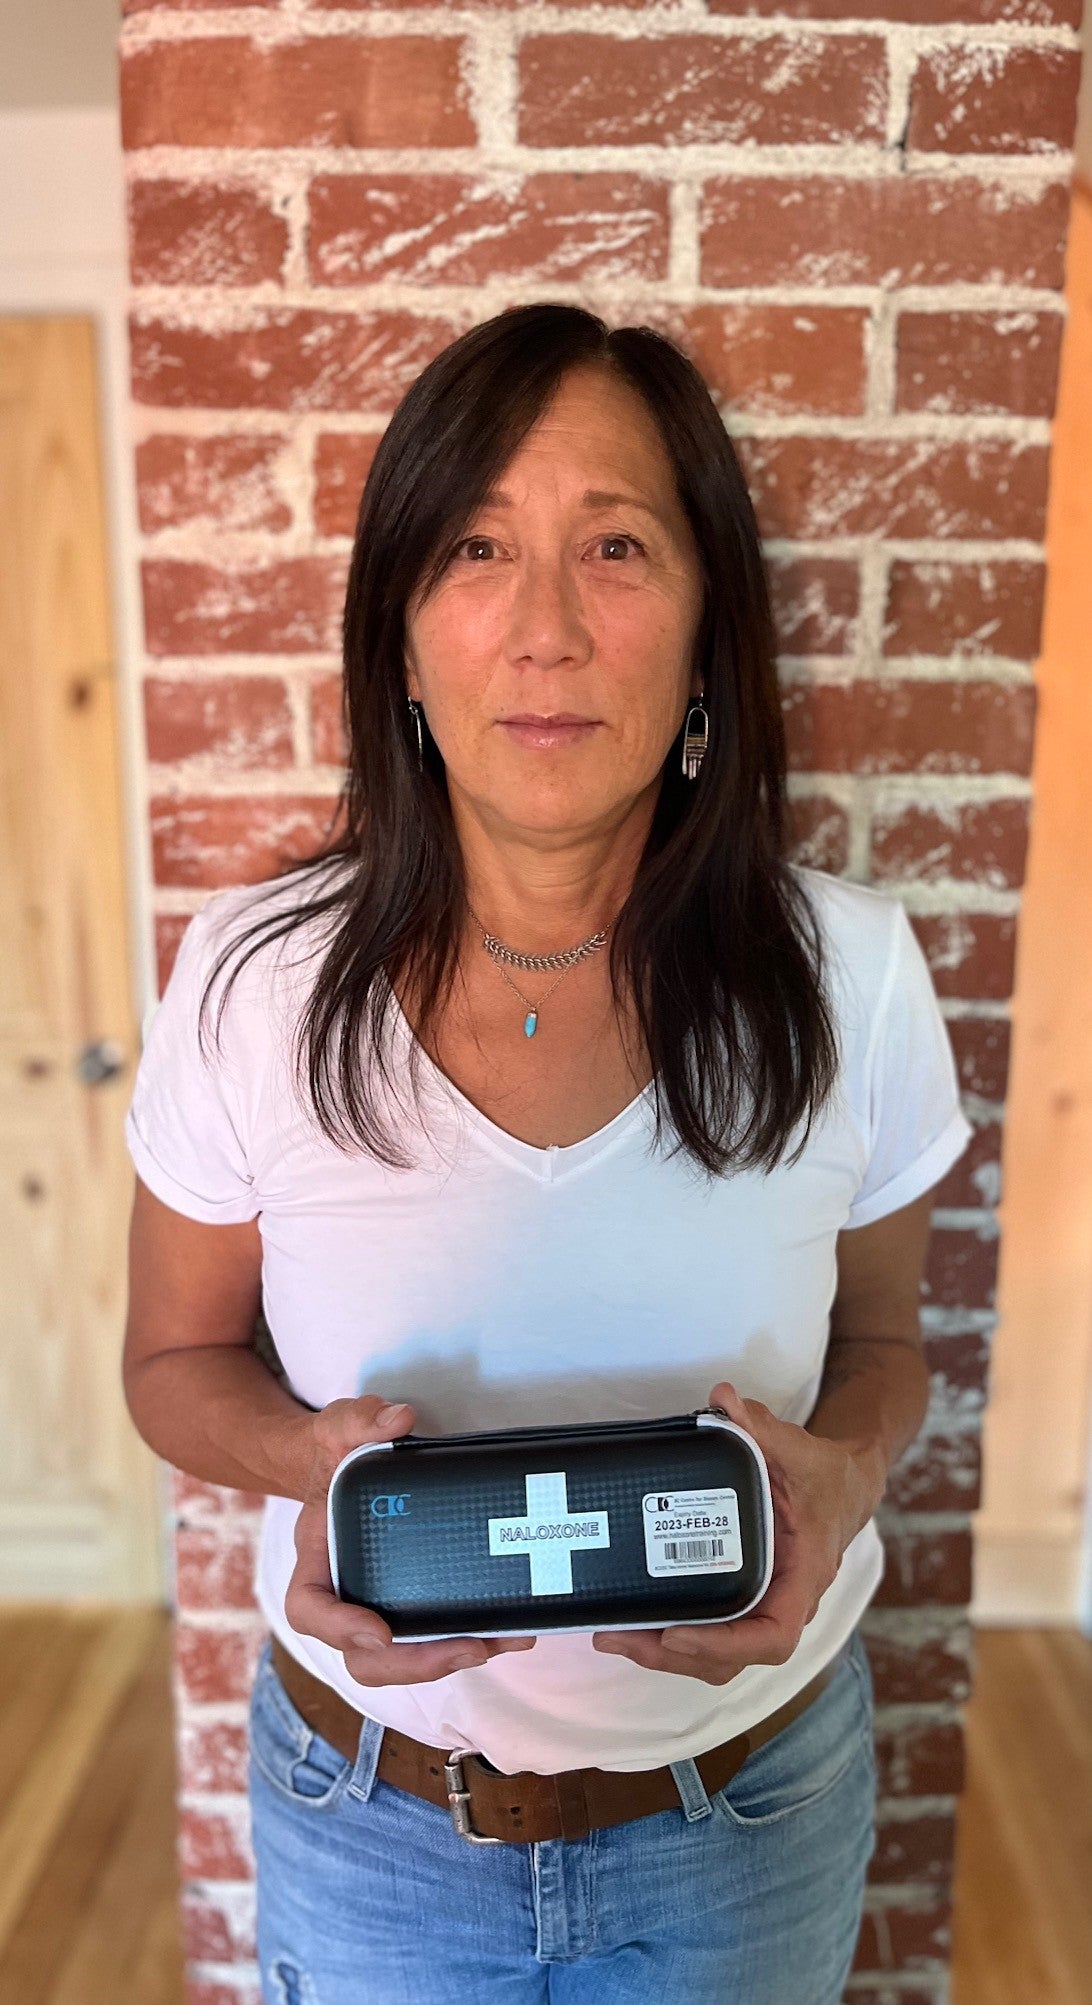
(872, 1399)
(218, 1412)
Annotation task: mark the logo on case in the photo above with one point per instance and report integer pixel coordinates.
(390, 1507)
(548, 1535)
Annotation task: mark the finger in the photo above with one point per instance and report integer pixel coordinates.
(310, 1603)
(769, 1636)
(643, 1647)
(406, 1663)
(346, 1424)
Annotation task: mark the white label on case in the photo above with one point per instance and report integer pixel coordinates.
(549, 1533)
(692, 1531)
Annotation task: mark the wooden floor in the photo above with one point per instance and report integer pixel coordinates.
(88, 1878)
(1023, 1925)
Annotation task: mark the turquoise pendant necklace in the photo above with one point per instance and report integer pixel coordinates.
(567, 958)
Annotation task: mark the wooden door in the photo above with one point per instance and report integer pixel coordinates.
(81, 1495)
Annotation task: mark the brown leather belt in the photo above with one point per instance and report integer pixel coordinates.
(489, 1807)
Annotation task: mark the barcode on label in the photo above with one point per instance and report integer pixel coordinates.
(693, 1549)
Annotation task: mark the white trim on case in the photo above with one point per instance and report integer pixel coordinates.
(730, 1427)
(582, 1628)
(353, 1455)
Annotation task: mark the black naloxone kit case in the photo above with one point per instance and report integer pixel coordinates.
(515, 1531)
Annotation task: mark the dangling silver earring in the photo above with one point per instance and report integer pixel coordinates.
(416, 709)
(696, 740)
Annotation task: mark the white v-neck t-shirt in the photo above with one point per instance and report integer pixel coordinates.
(497, 1284)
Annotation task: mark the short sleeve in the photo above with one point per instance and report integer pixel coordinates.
(182, 1127)
(917, 1126)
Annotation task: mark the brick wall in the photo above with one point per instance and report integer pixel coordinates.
(854, 219)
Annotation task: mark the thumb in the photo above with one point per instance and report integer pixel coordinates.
(345, 1424)
(745, 1413)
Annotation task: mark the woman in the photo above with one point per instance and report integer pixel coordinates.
(577, 943)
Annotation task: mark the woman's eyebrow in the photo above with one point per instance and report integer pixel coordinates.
(593, 497)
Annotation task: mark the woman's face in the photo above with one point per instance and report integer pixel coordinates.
(557, 600)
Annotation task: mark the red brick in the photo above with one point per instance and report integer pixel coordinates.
(212, 1846)
(933, 1567)
(911, 1936)
(942, 608)
(481, 6)
(982, 1047)
(820, 487)
(914, 726)
(955, 362)
(970, 954)
(980, 841)
(455, 229)
(241, 721)
(213, 1931)
(890, 229)
(869, 1994)
(938, 1472)
(959, 1364)
(285, 359)
(976, 1178)
(225, 482)
(328, 745)
(924, 1756)
(292, 606)
(203, 233)
(1029, 13)
(212, 1756)
(342, 460)
(214, 1568)
(819, 832)
(993, 98)
(919, 1657)
(191, 6)
(1036, 13)
(961, 1268)
(169, 928)
(194, 1500)
(211, 1991)
(815, 603)
(322, 90)
(215, 1664)
(687, 90)
(917, 1850)
(772, 360)
(207, 843)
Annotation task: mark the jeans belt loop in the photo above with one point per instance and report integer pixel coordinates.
(332, 1716)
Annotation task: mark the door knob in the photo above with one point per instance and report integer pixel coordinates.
(99, 1061)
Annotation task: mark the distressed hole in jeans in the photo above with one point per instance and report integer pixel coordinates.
(292, 1985)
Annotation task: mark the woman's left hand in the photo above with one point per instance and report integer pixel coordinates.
(823, 1494)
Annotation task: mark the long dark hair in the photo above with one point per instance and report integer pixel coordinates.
(717, 943)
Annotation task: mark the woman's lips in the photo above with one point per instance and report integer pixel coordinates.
(545, 735)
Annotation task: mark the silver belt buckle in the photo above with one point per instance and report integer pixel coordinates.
(458, 1796)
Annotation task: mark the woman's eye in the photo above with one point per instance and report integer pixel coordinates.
(473, 544)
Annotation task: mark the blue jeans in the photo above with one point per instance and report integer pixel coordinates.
(367, 1895)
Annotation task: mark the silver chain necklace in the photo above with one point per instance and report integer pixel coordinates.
(565, 958)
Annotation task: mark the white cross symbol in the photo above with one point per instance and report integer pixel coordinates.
(551, 1558)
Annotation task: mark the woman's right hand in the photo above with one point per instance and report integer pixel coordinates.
(311, 1604)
